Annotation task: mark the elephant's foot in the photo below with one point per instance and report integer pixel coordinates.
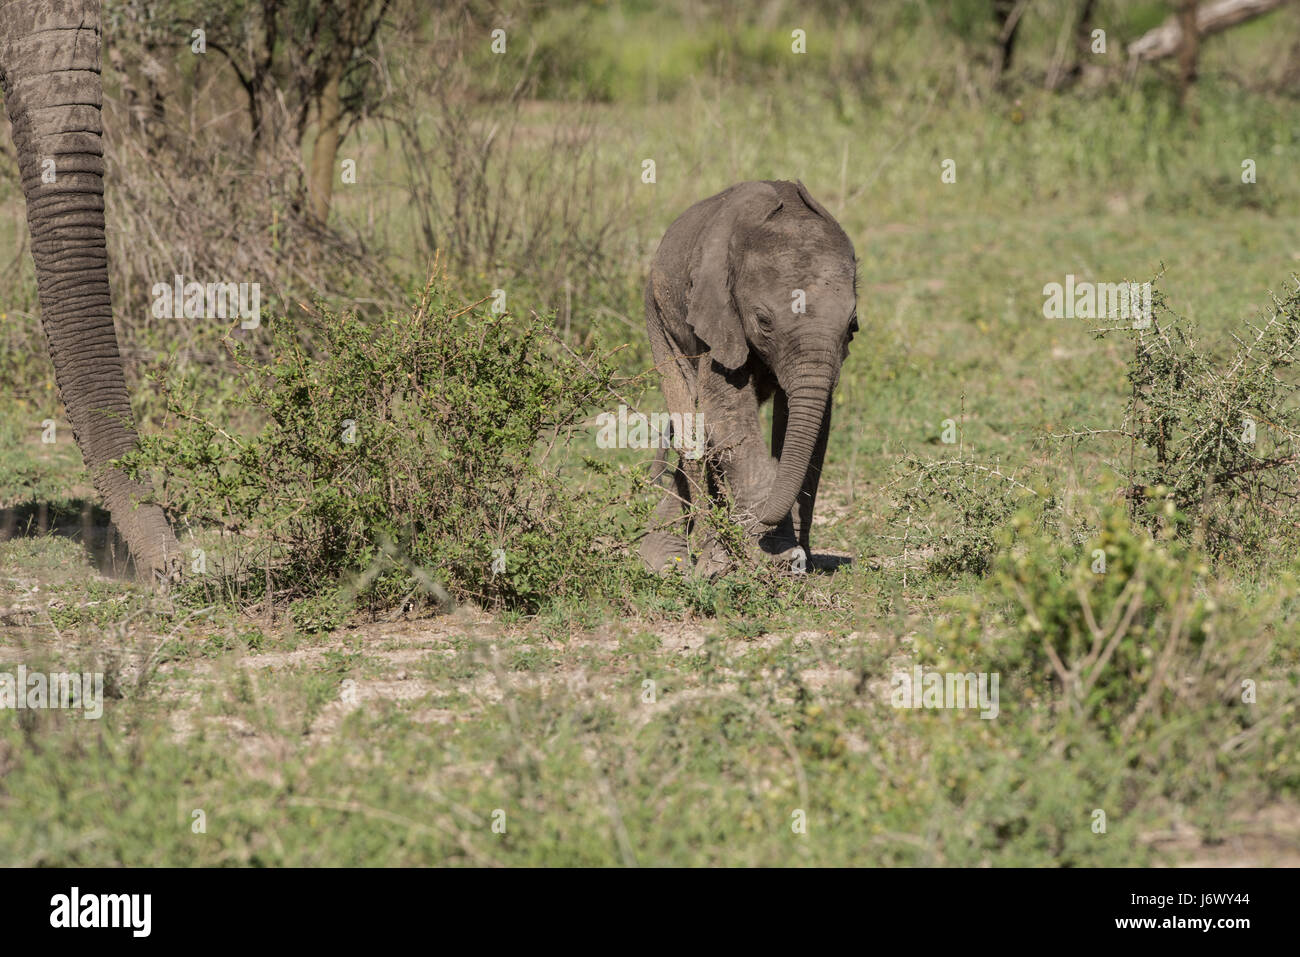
(713, 562)
(796, 559)
(665, 553)
(149, 538)
(779, 544)
(775, 541)
(787, 555)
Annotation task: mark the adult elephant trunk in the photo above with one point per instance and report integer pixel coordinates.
(806, 399)
(50, 76)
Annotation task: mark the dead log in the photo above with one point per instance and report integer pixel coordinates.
(1214, 17)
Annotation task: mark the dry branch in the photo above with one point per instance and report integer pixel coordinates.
(1215, 17)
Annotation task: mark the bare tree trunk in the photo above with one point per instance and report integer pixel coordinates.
(1188, 50)
(326, 148)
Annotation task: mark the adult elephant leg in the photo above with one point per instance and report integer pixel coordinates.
(50, 76)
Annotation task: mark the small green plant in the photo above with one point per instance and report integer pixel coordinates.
(948, 513)
(318, 614)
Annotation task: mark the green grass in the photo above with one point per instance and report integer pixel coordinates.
(459, 721)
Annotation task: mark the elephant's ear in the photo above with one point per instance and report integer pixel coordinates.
(812, 204)
(711, 309)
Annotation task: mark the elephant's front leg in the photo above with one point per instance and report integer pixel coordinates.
(736, 444)
(664, 547)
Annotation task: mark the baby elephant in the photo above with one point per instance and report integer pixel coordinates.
(751, 296)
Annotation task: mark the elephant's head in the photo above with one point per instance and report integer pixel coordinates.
(49, 73)
(773, 283)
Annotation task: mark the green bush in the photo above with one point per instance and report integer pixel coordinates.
(396, 458)
(1120, 632)
(1216, 435)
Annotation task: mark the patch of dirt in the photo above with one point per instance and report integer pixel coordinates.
(1265, 837)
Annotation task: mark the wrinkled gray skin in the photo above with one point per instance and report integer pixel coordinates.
(726, 339)
(50, 76)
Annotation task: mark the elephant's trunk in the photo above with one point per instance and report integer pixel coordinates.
(50, 75)
(806, 398)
